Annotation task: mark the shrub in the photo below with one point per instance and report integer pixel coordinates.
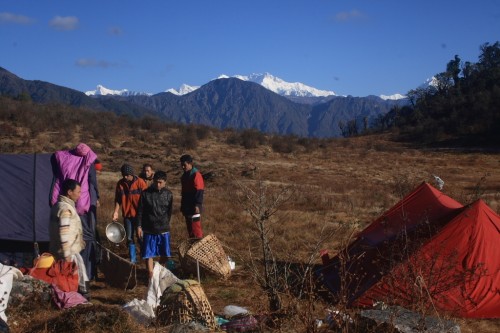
(283, 144)
(187, 138)
(202, 132)
(251, 138)
(8, 130)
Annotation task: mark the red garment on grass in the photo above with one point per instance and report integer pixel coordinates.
(62, 273)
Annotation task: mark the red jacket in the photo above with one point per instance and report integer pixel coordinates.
(192, 191)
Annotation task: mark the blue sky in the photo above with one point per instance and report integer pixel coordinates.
(352, 47)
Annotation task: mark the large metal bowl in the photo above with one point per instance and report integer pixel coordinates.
(115, 232)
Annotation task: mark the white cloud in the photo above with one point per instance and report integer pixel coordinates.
(87, 63)
(64, 23)
(348, 16)
(16, 19)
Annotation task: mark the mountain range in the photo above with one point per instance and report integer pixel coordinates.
(293, 90)
(226, 102)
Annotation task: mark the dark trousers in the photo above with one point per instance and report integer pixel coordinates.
(90, 253)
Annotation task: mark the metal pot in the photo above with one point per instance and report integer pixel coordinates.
(115, 232)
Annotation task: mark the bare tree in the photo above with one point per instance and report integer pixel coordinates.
(262, 202)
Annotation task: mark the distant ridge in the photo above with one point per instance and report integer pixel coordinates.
(45, 93)
(221, 103)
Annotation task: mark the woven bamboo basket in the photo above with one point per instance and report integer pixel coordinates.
(185, 302)
(209, 253)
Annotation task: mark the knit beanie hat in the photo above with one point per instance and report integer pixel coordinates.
(127, 170)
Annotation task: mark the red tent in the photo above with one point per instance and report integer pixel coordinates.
(423, 205)
(426, 251)
(458, 268)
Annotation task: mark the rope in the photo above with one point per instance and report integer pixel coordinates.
(132, 273)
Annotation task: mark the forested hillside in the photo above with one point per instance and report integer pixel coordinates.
(462, 108)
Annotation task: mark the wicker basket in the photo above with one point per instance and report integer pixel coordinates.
(185, 302)
(209, 253)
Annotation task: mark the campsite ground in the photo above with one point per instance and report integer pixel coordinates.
(335, 189)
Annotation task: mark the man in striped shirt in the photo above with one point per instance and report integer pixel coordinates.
(66, 233)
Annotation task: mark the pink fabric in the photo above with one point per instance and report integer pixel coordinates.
(82, 149)
(71, 165)
(69, 299)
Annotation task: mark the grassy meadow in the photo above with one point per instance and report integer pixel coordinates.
(319, 197)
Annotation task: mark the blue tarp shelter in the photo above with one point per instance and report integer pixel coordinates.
(25, 182)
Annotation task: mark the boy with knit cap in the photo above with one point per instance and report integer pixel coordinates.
(127, 195)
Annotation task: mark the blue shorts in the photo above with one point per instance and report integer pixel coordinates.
(155, 245)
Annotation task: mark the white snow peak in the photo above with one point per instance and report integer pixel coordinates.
(269, 82)
(392, 97)
(266, 80)
(183, 90)
(102, 91)
(283, 88)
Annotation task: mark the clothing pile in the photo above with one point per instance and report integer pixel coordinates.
(7, 276)
(238, 319)
(143, 311)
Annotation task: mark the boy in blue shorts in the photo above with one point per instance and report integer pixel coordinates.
(153, 220)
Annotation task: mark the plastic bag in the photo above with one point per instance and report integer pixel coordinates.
(140, 310)
(234, 310)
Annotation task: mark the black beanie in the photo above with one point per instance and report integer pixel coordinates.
(127, 170)
(186, 158)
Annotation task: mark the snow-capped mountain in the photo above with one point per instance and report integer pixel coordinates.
(432, 82)
(268, 81)
(101, 91)
(183, 90)
(394, 97)
(283, 88)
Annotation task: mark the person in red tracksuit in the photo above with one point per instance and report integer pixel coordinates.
(192, 196)
(127, 195)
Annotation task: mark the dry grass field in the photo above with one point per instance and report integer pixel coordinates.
(330, 192)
